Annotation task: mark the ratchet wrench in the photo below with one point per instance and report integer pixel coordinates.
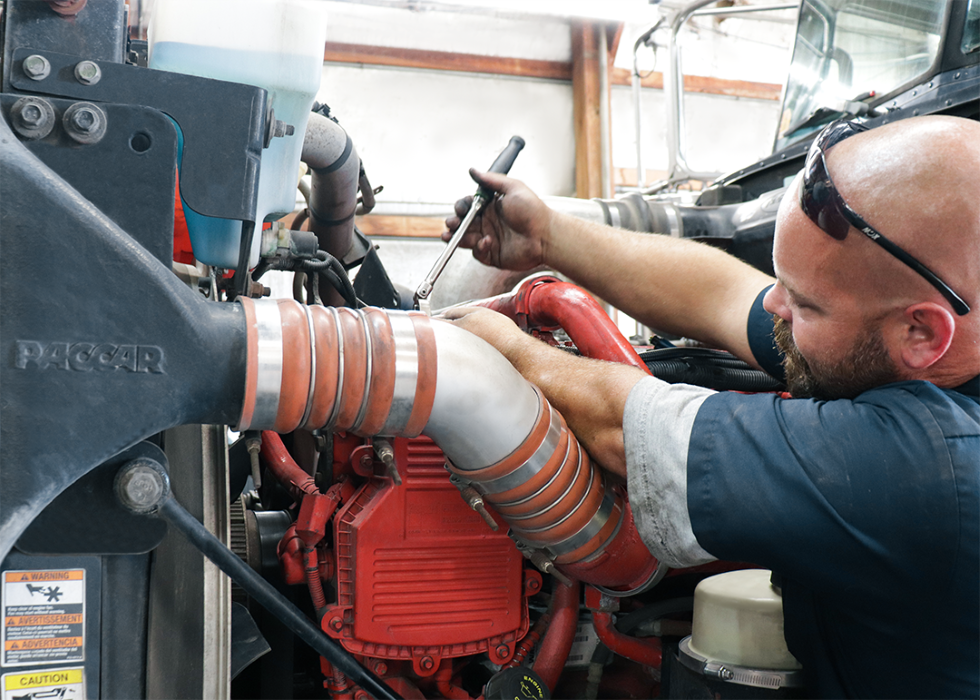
(483, 195)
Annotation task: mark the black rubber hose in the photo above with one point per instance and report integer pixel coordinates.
(269, 598)
(348, 290)
(714, 369)
(344, 289)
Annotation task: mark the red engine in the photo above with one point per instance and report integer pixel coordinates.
(424, 570)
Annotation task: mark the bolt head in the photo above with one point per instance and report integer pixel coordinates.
(503, 651)
(427, 663)
(36, 67)
(381, 668)
(336, 624)
(84, 120)
(142, 485)
(31, 115)
(87, 72)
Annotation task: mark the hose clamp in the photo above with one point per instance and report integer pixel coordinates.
(369, 369)
(335, 411)
(406, 373)
(571, 511)
(268, 322)
(741, 675)
(556, 501)
(309, 394)
(590, 530)
(534, 464)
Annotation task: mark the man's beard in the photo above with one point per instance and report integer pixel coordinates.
(864, 367)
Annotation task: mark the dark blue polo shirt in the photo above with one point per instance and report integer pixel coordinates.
(868, 511)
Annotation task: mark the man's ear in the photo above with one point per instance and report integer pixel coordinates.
(927, 332)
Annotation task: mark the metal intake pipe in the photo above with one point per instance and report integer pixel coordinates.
(335, 169)
(375, 372)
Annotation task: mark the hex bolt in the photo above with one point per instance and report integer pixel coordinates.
(386, 454)
(85, 122)
(32, 117)
(36, 67)
(281, 129)
(88, 72)
(142, 485)
(503, 651)
(427, 663)
(336, 624)
(380, 668)
(254, 446)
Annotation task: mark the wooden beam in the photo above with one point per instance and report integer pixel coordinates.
(585, 108)
(614, 32)
(411, 226)
(335, 52)
(443, 60)
(700, 83)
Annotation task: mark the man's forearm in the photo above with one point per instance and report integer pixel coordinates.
(675, 285)
(590, 394)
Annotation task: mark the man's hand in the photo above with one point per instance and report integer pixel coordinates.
(512, 231)
(496, 329)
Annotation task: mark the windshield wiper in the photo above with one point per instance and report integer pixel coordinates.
(818, 117)
(856, 107)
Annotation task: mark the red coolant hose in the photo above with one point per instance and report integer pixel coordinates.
(646, 652)
(444, 682)
(284, 467)
(546, 302)
(558, 639)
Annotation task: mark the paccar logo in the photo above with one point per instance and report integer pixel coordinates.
(85, 357)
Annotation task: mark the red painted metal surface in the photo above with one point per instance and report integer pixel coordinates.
(420, 576)
(548, 303)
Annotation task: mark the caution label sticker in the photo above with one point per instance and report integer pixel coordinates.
(43, 617)
(52, 684)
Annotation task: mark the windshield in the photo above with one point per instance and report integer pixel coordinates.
(848, 51)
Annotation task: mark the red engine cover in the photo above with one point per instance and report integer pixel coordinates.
(420, 575)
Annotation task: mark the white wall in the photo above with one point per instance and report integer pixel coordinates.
(419, 131)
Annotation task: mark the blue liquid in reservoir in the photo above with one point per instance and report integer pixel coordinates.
(291, 82)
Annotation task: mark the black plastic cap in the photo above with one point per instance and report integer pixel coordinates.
(516, 684)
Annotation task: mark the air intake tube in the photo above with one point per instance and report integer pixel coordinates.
(375, 372)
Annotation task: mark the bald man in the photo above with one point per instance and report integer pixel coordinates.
(860, 493)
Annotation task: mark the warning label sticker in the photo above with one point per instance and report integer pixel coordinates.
(53, 684)
(43, 618)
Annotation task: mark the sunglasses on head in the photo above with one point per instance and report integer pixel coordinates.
(825, 207)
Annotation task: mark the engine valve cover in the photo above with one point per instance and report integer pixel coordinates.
(420, 575)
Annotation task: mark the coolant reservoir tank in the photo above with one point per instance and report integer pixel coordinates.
(737, 638)
(273, 44)
(738, 619)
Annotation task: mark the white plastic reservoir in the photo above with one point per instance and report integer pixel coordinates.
(738, 619)
(273, 44)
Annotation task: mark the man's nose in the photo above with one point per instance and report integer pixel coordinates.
(775, 302)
